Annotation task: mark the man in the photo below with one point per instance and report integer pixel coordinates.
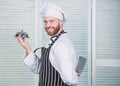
(56, 67)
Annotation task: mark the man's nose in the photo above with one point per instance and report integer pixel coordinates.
(48, 24)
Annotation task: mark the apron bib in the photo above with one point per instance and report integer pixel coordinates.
(48, 74)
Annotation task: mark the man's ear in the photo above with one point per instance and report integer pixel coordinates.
(61, 22)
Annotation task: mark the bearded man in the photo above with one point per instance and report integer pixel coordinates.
(56, 66)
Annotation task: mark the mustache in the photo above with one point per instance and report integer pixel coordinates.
(49, 27)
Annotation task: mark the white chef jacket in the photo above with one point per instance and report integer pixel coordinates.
(63, 58)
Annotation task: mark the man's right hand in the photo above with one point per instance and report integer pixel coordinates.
(24, 43)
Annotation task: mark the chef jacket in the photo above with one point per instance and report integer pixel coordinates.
(63, 58)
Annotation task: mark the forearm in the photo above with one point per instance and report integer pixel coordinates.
(68, 75)
(28, 51)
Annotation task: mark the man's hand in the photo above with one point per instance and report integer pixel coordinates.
(78, 73)
(24, 43)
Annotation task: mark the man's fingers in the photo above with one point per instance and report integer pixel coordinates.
(25, 40)
(20, 41)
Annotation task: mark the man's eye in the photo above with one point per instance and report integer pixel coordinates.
(51, 21)
(44, 21)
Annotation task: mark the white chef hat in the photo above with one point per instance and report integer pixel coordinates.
(48, 9)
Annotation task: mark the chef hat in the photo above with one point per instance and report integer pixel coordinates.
(48, 9)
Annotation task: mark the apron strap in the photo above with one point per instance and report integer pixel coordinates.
(53, 41)
(56, 38)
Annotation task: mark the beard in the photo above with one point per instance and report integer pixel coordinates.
(51, 31)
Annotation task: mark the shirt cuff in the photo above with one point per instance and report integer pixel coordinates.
(29, 59)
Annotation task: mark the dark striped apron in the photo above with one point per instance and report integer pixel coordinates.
(48, 75)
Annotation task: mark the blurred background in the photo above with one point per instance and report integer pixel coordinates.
(93, 26)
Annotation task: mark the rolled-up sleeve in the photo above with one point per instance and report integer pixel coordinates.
(33, 62)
